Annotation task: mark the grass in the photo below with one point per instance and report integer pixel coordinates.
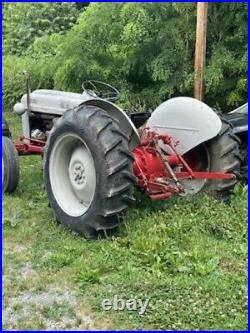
(187, 255)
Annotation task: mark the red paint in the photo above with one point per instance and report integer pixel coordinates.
(27, 146)
(206, 175)
(152, 174)
(148, 163)
(148, 167)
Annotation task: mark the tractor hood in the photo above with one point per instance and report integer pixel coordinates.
(53, 102)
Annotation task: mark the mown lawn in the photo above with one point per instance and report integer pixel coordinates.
(188, 256)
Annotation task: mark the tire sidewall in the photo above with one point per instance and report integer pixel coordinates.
(5, 161)
(11, 166)
(91, 216)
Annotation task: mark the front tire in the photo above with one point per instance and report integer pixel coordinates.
(88, 171)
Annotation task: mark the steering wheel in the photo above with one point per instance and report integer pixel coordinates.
(101, 89)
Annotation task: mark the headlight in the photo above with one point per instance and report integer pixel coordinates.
(19, 108)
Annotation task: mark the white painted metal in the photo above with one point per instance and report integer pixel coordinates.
(19, 108)
(72, 174)
(55, 102)
(187, 120)
(52, 101)
(26, 124)
(242, 109)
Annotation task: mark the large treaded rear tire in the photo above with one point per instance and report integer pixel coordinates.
(10, 166)
(113, 168)
(224, 156)
(244, 156)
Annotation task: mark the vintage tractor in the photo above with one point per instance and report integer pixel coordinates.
(94, 152)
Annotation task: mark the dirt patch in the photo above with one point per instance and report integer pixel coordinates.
(51, 309)
(16, 248)
(54, 307)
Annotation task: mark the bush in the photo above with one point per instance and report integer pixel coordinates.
(23, 22)
(14, 83)
(144, 49)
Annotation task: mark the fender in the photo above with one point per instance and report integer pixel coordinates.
(125, 122)
(239, 119)
(189, 121)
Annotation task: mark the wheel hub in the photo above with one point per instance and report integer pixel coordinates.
(77, 174)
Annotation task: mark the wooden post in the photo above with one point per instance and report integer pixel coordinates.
(200, 49)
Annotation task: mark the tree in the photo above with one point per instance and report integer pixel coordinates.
(23, 22)
(226, 75)
(145, 49)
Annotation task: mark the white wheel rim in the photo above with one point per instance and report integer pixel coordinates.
(194, 186)
(72, 174)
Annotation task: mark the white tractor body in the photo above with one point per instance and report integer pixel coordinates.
(187, 120)
(53, 102)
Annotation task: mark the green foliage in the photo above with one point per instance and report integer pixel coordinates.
(145, 49)
(13, 81)
(147, 59)
(14, 85)
(227, 63)
(22, 22)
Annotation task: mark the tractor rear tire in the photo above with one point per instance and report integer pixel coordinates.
(10, 166)
(220, 154)
(244, 157)
(88, 171)
(224, 155)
